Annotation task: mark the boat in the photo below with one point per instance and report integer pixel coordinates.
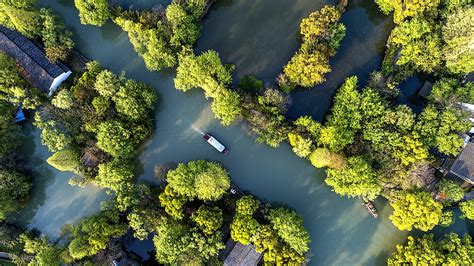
(215, 143)
(369, 205)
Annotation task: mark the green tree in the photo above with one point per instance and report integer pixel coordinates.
(14, 188)
(93, 234)
(107, 83)
(458, 34)
(205, 71)
(451, 190)
(403, 9)
(184, 26)
(13, 88)
(226, 106)
(420, 45)
(204, 180)
(451, 250)
(115, 138)
(289, 226)
(43, 252)
(467, 209)
(65, 160)
(172, 202)
(208, 219)
(322, 157)
(176, 243)
(93, 12)
(357, 178)
(247, 205)
(114, 174)
(243, 228)
(56, 38)
(21, 15)
(415, 210)
(63, 100)
(9, 131)
(250, 84)
(134, 100)
(447, 219)
(301, 146)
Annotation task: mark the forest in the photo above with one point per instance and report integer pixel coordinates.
(369, 144)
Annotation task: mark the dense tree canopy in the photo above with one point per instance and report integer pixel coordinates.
(289, 226)
(404, 9)
(321, 33)
(467, 209)
(415, 210)
(14, 188)
(451, 250)
(93, 12)
(458, 34)
(199, 179)
(94, 233)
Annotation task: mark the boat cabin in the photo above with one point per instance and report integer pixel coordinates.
(215, 143)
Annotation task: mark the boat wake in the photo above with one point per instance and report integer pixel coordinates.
(195, 128)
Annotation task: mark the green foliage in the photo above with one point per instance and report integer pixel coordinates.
(415, 210)
(250, 84)
(151, 43)
(357, 178)
(134, 100)
(22, 16)
(247, 205)
(13, 88)
(403, 9)
(226, 106)
(176, 243)
(65, 160)
(458, 34)
(185, 29)
(243, 228)
(447, 219)
(52, 134)
(208, 219)
(101, 104)
(172, 202)
(117, 139)
(107, 83)
(56, 38)
(301, 146)
(43, 252)
(93, 12)
(93, 234)
(114, 175)
(345, 118)
(322, 157)
(451, 190)
(467, 209)
(420, 45)
(63, 100)
(448, 93)
(451, 250)
(205, 71)
(9, 131)
(289, 226)
(321, 34)
(14, 188)
(205, 180)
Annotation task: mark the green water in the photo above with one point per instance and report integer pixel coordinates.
(258, 37)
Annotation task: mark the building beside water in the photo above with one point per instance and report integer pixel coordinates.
(30, 56)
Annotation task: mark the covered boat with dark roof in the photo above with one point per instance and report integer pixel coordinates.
(30, 56)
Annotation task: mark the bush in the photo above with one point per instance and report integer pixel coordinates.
(467, 209)
(451, 189)
(65, 160)
(323, 157)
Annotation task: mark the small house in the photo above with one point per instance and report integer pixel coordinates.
(30, 56)
(241, 255)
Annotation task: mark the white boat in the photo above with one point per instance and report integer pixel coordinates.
(215, 143)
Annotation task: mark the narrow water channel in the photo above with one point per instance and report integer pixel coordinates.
(259, 37)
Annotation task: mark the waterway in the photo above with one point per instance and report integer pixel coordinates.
(259, 37)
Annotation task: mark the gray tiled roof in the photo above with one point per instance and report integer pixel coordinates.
(463, 167)
(242, 255)
(31, 58)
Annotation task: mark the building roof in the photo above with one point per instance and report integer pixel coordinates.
(242, 255)
(463, 167)
(37, 70)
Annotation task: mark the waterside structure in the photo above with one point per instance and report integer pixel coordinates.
(30, 56)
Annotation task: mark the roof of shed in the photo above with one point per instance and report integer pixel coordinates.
(30, 56)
